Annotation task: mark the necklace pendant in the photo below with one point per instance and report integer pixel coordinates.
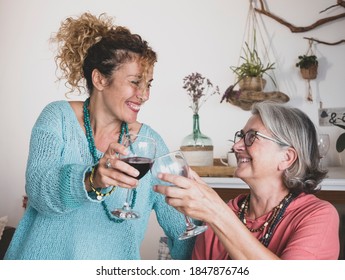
(99, 197)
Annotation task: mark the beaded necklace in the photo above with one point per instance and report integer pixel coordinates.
(93, 151)
(272, 221)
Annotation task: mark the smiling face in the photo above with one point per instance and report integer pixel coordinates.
(128, 89)
(259, 161)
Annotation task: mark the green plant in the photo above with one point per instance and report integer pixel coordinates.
(252, 65)
(340, 144)
(306, 61)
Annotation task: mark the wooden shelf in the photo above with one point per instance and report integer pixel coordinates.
(245, 99)
(216, 170)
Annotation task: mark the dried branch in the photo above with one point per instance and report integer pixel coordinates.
(325, 43)
(330, 7)
(296, 29)
(339, 3)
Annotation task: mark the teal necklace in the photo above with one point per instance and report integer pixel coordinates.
(93, 151)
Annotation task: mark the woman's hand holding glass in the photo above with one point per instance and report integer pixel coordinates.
(111, 171)
(172, 169)
(141, 151)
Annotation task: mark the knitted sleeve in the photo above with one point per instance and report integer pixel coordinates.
(171, 221)
(54, 182)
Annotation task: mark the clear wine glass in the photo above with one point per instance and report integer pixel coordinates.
(141, 153)
(175, 163)
(324, 144)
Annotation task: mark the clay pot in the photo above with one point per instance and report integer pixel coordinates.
(309, 73)
(252, 84)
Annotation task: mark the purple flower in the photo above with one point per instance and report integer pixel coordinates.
(199, 89)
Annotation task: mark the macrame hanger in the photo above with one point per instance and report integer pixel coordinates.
(266, 53)
(309, 92)
(309, 52)
(310, 48)
(251, 26)
(247, 29)
(251, 33)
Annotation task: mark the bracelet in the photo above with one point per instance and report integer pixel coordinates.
(100, 195)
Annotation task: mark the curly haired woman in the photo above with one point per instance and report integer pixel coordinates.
(74, 178)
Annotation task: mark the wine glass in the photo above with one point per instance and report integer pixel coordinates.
(323, 143)
(141, 153)
(175, 163)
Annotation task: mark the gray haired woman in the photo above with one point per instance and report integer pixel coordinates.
(281, 218)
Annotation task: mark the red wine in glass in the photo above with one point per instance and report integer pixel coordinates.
(142, 164)
(141, 153)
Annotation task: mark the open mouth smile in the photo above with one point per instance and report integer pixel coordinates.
(135, 107)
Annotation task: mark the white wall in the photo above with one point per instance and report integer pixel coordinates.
(189, 35)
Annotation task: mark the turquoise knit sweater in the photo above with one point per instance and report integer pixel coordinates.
(62, 220)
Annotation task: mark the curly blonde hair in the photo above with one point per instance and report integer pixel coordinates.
(89, 42)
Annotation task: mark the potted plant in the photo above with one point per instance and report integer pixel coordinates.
(250, 73)
(308, 65)
(340, 144)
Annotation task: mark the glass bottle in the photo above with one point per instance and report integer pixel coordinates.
(197, 147)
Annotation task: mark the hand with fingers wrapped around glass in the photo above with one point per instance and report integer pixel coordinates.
(77, 175)
(175, 163)
(281, 218)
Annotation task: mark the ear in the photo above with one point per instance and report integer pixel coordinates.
(98, 80)
(289, 157)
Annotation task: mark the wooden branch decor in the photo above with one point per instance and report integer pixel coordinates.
(297, 29)
(339, 3)
(325, 43)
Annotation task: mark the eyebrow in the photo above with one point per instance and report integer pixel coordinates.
(134, 76)
(139, 77)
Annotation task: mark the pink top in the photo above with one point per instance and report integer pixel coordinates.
(308, 230)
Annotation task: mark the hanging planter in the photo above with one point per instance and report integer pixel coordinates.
(252, 84)
(250, 72)
(253, 70)
(308, 65)
(309, 73)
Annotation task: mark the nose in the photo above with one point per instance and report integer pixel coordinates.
(143, 96)
(238, 146)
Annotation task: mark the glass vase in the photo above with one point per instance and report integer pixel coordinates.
(197, 147)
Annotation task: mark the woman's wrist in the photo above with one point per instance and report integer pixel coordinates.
(87, 181)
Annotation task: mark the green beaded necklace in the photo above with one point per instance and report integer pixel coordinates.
(93, 151)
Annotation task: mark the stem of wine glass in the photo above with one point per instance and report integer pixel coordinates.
(189, 224)
(126, 205)
(322, 163)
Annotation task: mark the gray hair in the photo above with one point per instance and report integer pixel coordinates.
(292, 126)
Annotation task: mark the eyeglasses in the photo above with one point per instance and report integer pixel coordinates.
(250, 136)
